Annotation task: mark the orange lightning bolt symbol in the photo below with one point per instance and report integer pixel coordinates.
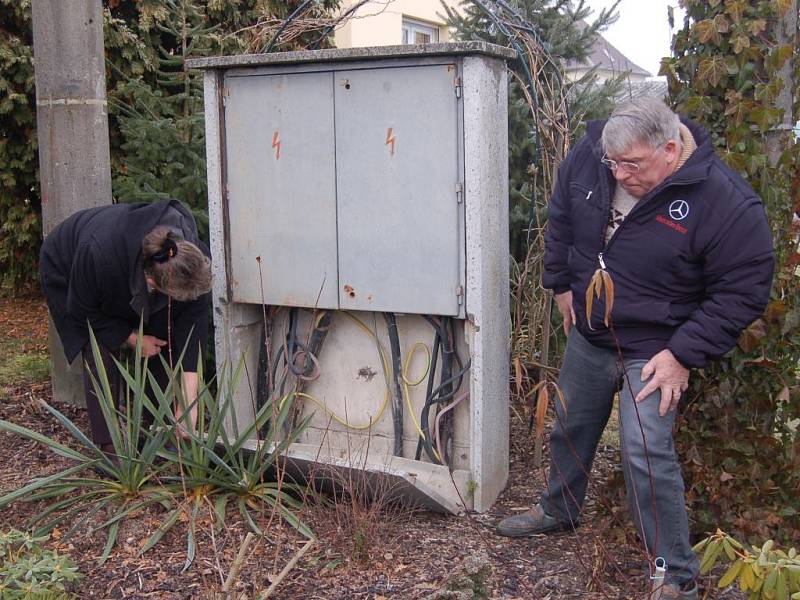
(390, 140)
(276, 143)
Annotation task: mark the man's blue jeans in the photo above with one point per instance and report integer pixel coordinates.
(589, 379)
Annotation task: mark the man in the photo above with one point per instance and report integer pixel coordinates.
(687, 245)
(116, 266)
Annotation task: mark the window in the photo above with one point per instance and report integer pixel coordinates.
(417, 32)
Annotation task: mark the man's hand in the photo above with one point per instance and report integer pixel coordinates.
(151, 345)
(564, 303)
(667, 374)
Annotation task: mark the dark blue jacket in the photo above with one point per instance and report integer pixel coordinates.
(692, 263)
(90, 269)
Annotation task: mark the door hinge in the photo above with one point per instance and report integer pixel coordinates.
(460, 294)
(458, 87)
(459, 192)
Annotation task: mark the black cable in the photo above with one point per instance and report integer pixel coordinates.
(292, 343)
(437, 392)
(278, 356)
(285, 24)
(262, 385)
(447, 370)
(265, 388)
(397, 392)
(448, 418)
(447, 353)
(448, 386)
(424, 414)
(320, 331)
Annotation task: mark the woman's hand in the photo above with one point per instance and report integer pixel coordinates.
(151, 345)
(186, 423)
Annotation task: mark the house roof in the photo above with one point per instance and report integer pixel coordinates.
(605, 56)
(634, 89)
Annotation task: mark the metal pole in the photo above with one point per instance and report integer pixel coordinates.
(72, 129)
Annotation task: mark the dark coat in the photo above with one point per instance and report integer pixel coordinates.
(692, 263)
(91, 272)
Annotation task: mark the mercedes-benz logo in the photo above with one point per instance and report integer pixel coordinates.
(679, 210)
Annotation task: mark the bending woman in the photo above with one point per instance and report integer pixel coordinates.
(115, 266)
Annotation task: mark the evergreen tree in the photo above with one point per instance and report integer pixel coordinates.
(160, 117)
(20, 204)
(159, 109)
(155, 119)
(559, 26)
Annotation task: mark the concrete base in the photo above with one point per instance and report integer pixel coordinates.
(411, 482)
(66, 379)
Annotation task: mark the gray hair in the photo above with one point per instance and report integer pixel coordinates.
(644, 120)
(185, 273)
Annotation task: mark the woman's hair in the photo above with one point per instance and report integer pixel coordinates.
(179, 268)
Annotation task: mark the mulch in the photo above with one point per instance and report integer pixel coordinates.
(24, 320)
(363, 551)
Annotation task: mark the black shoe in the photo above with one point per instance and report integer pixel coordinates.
(530, 522)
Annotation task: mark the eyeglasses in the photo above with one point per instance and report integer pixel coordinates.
(626, 166)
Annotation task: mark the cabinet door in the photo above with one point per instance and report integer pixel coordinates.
(397, 174)
(281, 182)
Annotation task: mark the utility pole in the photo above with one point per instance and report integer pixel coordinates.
(72, 129)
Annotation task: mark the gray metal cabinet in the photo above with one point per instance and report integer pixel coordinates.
(397, 155)
(367, 179)
(281, 189)
(348, 182)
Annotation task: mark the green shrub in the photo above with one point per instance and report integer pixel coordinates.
(739, 434)
(29, 571)
(765, 571)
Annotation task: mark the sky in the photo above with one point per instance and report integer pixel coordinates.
(642, 31)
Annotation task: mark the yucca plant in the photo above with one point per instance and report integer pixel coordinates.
(216, 470)
(125, 483)
(206, 467)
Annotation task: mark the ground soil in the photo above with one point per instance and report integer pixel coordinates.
(363, 551)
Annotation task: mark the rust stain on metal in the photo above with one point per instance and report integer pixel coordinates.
(349, 290)
(390, 139)
(276, 143)
(366, 373)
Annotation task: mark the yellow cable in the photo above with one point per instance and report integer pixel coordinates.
(408, 362)
(341, 421)
(406, 383)
(386, 369)
(385, 363)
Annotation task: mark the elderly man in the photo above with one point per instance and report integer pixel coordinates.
(687, 245)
